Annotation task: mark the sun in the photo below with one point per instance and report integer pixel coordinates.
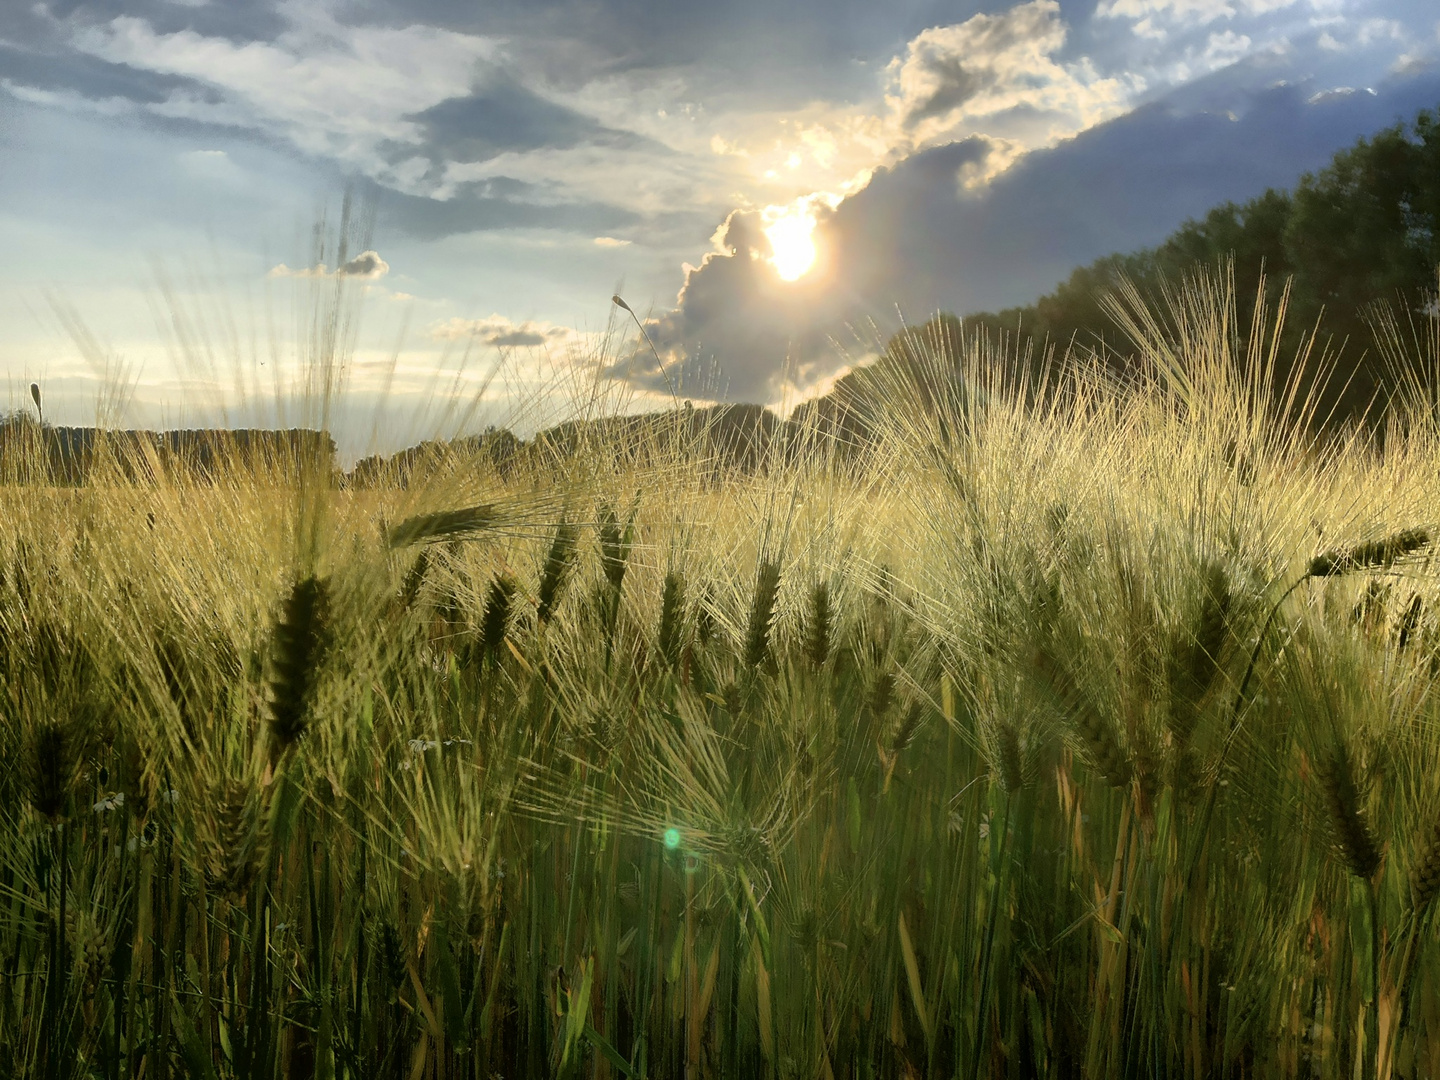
(792, 242)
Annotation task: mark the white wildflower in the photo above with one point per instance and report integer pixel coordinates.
(113, 801)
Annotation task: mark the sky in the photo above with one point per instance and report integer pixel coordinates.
(198, 195)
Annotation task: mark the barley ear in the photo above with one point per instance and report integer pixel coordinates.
(1353, 836)
(1408, 622)
(556, 569)
(496, 618)
(905, 732)
(50, 769)
(1198, 660)
(615, 544)
(881, 695)
(1009, 758)
(818, 625)
(1425, 877)
(1195, 668)
(1371, 555)
(705, 618)
(238, 846)
(762, 614)
(415, 579)
(1102, 743)
(443, 523)
(672, 617)
(301, 640)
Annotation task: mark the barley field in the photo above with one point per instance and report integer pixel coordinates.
(1089, 732)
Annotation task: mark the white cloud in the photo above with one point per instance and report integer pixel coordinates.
(1190, 11)
(367, 266)
(334, 90)
(1372, 30)
(1225, 48)
(610, 242)
(996, 76)
(640, 178)
(68, 100)
(1002, 153)
(1185, 12)
(502, 333)
(1411, 63)
(954, 81)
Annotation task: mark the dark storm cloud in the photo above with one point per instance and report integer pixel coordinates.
(739, 333)
(913, 240)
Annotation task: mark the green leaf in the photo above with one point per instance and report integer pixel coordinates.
(609, 1052)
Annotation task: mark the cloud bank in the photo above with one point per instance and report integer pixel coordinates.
(916, 240)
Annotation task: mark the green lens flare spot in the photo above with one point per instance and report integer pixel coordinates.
(672, 838)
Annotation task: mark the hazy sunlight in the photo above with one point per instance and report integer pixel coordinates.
(792, 242)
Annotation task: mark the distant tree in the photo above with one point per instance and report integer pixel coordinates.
(1364, 228)
(1362, 232)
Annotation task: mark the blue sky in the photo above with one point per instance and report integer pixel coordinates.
(770, 185)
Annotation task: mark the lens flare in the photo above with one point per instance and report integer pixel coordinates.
(672, 838)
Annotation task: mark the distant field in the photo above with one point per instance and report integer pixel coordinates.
(1089, 739)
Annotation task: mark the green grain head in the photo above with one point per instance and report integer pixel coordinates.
(762, 614)
(299, 645)
(672, 617)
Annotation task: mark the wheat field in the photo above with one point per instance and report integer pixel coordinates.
(1089, 732)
